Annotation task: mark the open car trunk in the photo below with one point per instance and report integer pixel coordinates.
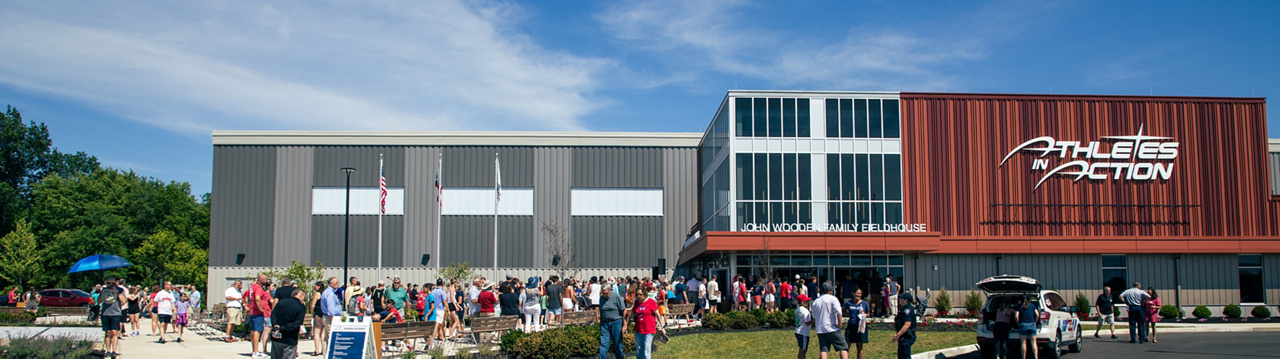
(1009, 284)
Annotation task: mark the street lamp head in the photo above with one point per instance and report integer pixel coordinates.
(348, 169)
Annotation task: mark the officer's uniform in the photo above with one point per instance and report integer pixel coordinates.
(906, 316)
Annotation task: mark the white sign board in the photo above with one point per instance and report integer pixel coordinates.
(352, 338)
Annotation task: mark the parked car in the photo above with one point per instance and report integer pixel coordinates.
(1055, 328)
(65, 298)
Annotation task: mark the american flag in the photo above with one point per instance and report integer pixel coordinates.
(439, 187)
(382, 186)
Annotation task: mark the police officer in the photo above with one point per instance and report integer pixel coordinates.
(905, 323)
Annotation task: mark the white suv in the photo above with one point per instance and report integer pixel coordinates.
(1055, 326)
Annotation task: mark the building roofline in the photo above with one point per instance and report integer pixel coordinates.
(947, 95)
(473, 138)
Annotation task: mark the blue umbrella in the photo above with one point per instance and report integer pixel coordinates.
(99, 262)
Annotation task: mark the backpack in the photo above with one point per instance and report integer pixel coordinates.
(109, 296)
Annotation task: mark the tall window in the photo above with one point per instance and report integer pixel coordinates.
(1115, 271)
(771, 117)
(1251, 290)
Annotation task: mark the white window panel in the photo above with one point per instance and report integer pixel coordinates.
(616, 202)
(364, 201)
(742, 145)
(761, 146)
(846, 146)
(803, 146)
(788, 146)
(819, 146)
(479, 201)
(874, 146)
(892, 146)
(817, 123)
(775, 145)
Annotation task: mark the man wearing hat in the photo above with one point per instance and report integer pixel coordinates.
(804, 323)
(826, 321)
(905, 325)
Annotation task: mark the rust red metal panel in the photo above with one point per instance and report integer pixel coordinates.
(953, 143)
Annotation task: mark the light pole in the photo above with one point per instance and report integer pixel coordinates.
(346, 224)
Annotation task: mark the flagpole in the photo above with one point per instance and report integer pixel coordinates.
(381, 209)
(439, 208)
(497, 196)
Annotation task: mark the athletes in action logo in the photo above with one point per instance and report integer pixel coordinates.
(1131, 158)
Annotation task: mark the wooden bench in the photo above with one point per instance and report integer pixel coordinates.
(496, 325)
(385, 332)
(675, 311)
(68, 311)
(419, 330)
(576, 318)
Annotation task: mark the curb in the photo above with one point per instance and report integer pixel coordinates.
(947, 353)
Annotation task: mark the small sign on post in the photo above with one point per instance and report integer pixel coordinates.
(351, 338)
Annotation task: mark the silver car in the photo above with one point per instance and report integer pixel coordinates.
(1055, 326)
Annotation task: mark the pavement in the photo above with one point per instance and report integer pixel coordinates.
(1175, 330)
(1178, 345)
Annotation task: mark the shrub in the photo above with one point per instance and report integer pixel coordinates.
(412, 355)
(1231, 311)
(782, 318)
(716, 321)
(1260, 311)
(1201, 312)
(740, 320)
(760, 315)
(1169, 311)
(1083, 305)
(972, 301)
(508, 340)
(18, 318)
(943, 302)
(60, 347)
(574, 340)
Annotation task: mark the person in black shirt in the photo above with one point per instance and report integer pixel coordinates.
(555, 308)
(1106, 313)
(877, 294)
(509, 301)
(905, 325)
(286, 319)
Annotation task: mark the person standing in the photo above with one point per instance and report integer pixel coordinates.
(329, 307)
(195, 300)
(317, 317)
(877, 293)
(691, 294)
(346, 292)
(439, 296)
(784, 294)
(398, 294)
(111, 299)
(259, 309)
(555, 306)
(856, 330)
(826, 319)
(531, 306)
(1027, 318)
(1134, 298)
(473, 297)
(1006, 318)
(181, 308)
(892, 289)
(287, 317)
(1106, 313)
(487, 301)
(611, 326)
(234, 308)
(594, 293)
(163, 302)
(645, 311)
(803, 323)
(713, 295)
(1153, 312)
(904, 321)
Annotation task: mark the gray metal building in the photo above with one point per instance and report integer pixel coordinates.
(627, 199)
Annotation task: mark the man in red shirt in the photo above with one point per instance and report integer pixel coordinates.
(259, 309)
(785, 288)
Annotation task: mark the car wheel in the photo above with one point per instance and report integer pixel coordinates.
(1053, 351)
(1078, 345)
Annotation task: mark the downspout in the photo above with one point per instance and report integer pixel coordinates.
(1177, 282)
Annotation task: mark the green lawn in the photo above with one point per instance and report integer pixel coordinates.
(782, 344)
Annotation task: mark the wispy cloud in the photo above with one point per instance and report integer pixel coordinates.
(717, 36)
(196, 67)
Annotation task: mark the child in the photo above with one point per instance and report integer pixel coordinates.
(803, 324)
(180, 314)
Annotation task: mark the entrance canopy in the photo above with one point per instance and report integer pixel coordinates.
(897, 242)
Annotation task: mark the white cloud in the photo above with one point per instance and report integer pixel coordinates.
(718, 36)
(196, 67)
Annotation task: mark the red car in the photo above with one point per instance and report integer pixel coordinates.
(65, 298)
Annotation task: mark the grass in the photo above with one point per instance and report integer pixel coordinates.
(781, 343)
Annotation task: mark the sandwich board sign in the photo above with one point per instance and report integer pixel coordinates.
(351, 338)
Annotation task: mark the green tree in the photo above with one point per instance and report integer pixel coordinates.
(460, 272)
(300, 273)
(26, 156)
(19, 260)
(162, 257)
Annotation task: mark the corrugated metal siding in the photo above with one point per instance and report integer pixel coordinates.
(329, 161)
(952, 146)
(602, 167)
(327, 235)
(292, 232)
(473, 166)
(244, 180)
(470, 239)
(618, 242)
(420, 207)
(1206, 279)
(680, 201)
(551, 195)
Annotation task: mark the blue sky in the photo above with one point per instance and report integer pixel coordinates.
(142, 84)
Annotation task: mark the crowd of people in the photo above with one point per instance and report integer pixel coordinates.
(120, 308)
